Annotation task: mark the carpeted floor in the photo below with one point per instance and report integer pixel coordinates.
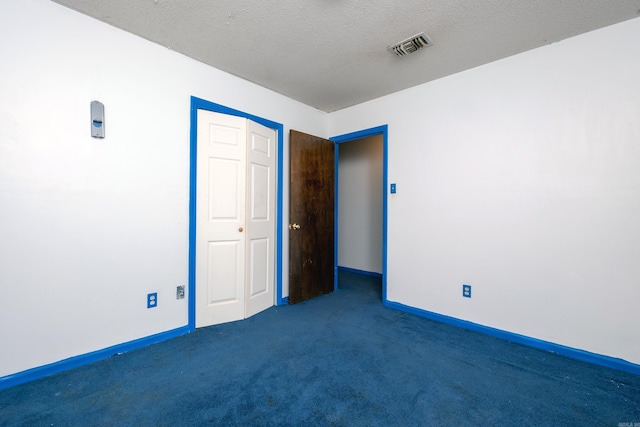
(337, 360)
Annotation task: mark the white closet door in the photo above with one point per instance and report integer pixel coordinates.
(220, 218)
(235, 218)
(261, 213)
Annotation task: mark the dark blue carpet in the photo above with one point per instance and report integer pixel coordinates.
(337, 360)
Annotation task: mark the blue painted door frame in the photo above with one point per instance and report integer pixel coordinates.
(380, 130)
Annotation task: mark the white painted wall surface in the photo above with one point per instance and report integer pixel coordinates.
(360, 204)
(89, 227)
(521, 178)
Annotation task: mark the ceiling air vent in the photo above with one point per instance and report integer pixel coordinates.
(410, 45)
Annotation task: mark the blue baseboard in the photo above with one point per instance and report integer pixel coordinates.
(356, 271)
(585, 356)
(285, 301)
(84, 359)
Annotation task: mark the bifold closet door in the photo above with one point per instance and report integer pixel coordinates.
(235, 218)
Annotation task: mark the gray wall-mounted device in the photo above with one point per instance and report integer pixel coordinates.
(97, 119)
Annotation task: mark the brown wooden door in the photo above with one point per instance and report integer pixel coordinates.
(311, 216)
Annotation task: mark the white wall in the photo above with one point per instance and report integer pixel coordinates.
(89, 227)
(360, 204)
(522, 179)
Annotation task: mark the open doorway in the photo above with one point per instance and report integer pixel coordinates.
(361, 208)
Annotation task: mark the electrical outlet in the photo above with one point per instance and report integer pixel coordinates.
(466, 291)
(152, 300)
(180, 292)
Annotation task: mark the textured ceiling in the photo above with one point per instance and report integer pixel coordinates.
(331, 54)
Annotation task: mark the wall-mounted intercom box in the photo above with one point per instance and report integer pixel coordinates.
(97, 119)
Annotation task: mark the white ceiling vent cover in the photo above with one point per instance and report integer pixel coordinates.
(410, 45)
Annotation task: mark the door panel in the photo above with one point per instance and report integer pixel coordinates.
(224, 183)
(220, 217)
(261, 221)
(259, 201)
(311, 216)
(259, 268)
(224, 274)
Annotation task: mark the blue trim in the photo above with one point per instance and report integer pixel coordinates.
(193, 161)
(285, 301)
(335, 215)
(585, 356)
(360, 134)
(362, 272)
(385, 183)
(201, 104)
(84, 359)
(279, 172)
(379, 130)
